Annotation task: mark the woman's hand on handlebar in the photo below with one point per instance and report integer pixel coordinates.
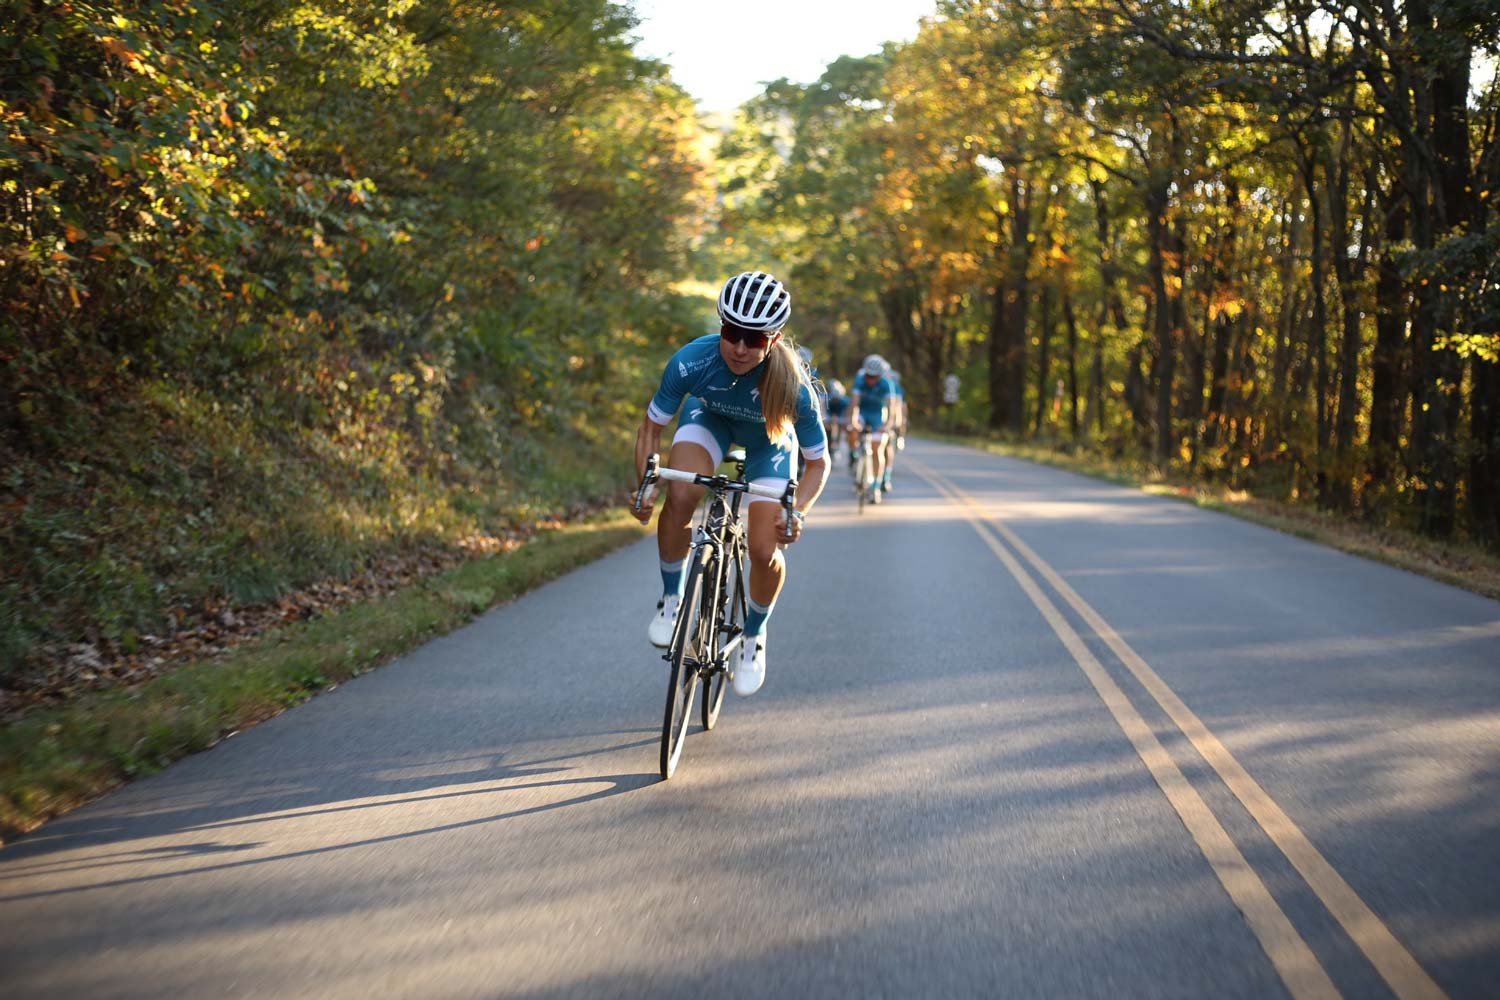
(782, 534)
(643, 503)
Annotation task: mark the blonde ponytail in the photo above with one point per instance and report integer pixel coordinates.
(780, 383)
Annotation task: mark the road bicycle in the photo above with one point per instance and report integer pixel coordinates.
(711, 615)
(864, 468)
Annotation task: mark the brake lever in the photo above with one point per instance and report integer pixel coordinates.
(788, 504)
(647, 480)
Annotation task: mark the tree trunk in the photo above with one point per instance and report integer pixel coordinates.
(1317, 330)
(1442, 209)
(1072, 323)
(1165, 363)
(1287, 377)
(1388, 389)
(1484, 465)
(1108, 296)
(1044, 357)
(1135, 389)
(999, 344)
(1349, 273)
(1019, 300)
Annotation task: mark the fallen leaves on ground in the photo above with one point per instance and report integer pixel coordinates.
(216, 626)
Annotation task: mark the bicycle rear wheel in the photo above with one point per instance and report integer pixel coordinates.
(688, 649)
(731, 623)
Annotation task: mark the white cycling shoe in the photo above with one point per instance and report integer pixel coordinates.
(750, 672)
(660, 629)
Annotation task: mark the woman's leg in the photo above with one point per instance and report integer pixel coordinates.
(674, 528)
(674, 532)
(767, 565)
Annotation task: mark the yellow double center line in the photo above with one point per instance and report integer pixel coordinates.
(1293, 960)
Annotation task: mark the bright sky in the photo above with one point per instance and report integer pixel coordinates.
(724, 53)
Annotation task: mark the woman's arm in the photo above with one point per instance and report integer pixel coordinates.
(814, 478)
(647, 443)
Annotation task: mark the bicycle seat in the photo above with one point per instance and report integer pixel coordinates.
(735, 455)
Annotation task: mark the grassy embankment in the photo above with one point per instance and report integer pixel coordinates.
(160, 526)
(150, 517)
(55, 758)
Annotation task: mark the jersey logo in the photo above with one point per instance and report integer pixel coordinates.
(682, 369)
(777, 459)
(697, 412)
(718, 388)
(755, 395)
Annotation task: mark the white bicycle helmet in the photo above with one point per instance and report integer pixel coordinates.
(836, 388)
(755, 301)
(874, 365)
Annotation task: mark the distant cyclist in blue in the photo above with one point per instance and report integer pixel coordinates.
(744, 385)
(838, 407)
(896, 440)
(820, 392)
(870, 400)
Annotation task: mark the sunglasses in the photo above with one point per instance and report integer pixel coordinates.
(753, 339)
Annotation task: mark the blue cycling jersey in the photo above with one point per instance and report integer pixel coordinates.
(874, 401)
(698, 370)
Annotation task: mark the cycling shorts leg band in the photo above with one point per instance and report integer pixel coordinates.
(702, 436)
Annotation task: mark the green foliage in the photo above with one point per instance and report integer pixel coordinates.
(1183, 210)
(294, 283)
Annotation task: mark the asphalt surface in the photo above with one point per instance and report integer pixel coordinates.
(944, 789)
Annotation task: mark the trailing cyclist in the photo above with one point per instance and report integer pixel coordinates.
(820, 393)
(896, 440)
(838, 408)
(743, 385)
(870, 406)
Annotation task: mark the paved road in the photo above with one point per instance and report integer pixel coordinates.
(1024, 734)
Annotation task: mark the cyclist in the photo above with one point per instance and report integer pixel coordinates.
(838, 407)
(896, 440)
(820, 391)
(870, 406)
(744, 384)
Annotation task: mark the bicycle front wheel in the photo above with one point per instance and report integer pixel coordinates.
(731, 623)
(690, 644)
(861, 480)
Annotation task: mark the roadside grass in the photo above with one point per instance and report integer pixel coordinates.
(55, 759)
(169, 506)
(1455, 563)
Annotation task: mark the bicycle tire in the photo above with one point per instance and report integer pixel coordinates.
(862, 487)
(731, 617)
(684, 654)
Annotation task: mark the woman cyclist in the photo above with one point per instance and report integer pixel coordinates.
(743, 385)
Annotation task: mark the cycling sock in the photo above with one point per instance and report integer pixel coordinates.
(671, 577)
(755, 617)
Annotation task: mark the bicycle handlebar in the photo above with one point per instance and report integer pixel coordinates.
(655, 471)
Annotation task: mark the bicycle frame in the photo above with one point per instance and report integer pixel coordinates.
(722, 532)
(864, 466)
